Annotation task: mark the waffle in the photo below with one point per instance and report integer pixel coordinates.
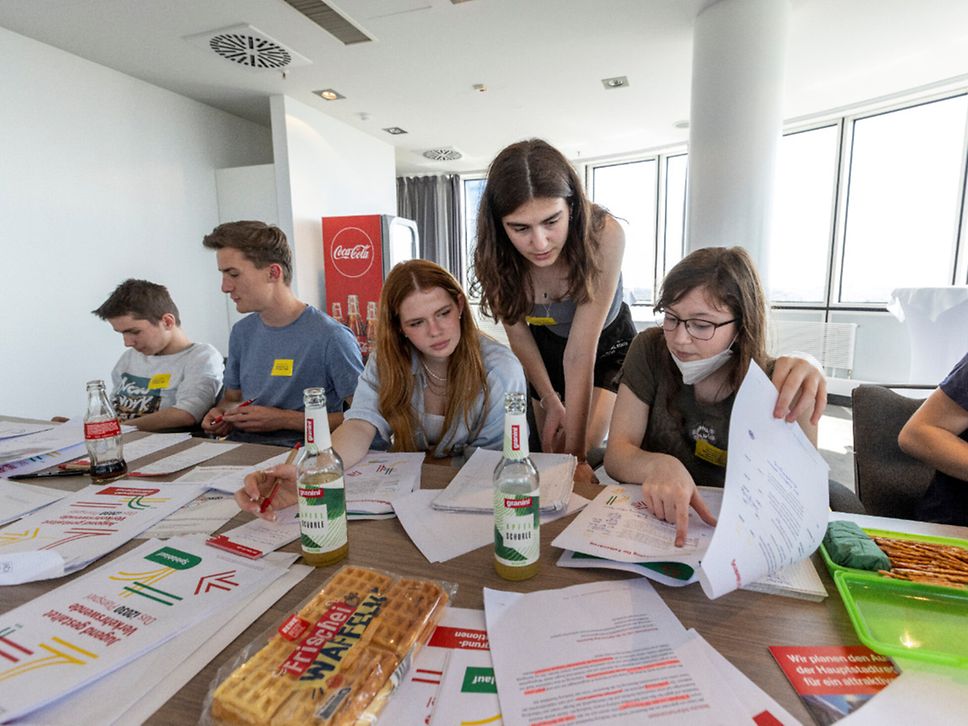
(370, 653)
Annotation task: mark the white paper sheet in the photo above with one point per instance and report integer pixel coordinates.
(920, 695)
(414, 700)
(378, 479)
(203, 515)
(184, 459)
(146, 445)
(441, 536)
(90, 523)
(13, 429)
(468, 690)
(617, 526)
(77, 633)
(132, 693)
(758, 705)
(602, 650)
(775, 501)
(258, 537)
(18, 499)
(20, 567)
(226, 479)
(59, 437)
(472, 489)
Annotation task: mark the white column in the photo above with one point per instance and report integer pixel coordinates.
(735, 123)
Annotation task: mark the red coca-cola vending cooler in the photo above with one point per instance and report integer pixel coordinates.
(358, 251)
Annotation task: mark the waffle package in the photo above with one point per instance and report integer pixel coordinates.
(338, 660)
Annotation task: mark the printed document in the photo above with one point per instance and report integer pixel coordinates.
(372, 485)
(18, 499)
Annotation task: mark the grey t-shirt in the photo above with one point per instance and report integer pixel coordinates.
(188, 380)
(650, 374)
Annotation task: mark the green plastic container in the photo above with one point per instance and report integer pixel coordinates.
(905, 619)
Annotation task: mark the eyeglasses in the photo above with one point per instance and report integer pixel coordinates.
(696, 327)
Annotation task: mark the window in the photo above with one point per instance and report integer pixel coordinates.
(903, 200)
(628, 191)
(675, 211)
(803, 207)
(473, 190)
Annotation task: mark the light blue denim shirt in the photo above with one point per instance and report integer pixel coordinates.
(504, 375)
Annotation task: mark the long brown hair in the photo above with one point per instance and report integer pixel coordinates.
(466, 377)
(527, 170)
(730, 279)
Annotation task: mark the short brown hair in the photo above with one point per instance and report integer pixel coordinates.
(262, 244)
(139, 299)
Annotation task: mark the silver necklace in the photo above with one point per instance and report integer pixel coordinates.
(439, 379)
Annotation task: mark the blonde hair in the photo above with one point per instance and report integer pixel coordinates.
(466, 377)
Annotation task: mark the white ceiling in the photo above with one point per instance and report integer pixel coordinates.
(541, 60)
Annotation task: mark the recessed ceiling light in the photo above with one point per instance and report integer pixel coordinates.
(615, 82)
(681, 124)
(479, 87)
(329, 94)
(443, 153)
(395, 130)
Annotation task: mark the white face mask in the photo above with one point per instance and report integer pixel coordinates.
(694, 371)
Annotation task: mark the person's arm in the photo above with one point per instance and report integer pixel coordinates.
(264, 418)
(582, 346)
(667, 487)
(214, 421)
(166, 418)
(352, 440)
(933, 435)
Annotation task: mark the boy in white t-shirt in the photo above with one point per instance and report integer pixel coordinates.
(163, 381)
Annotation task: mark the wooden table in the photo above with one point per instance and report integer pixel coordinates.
(740, 625)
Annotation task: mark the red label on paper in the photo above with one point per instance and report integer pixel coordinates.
(102, 429)
(325, 630)
(128, 491)
(522, 503)
(223, 542)
(352, 252)
(462, 638)
(294, 627)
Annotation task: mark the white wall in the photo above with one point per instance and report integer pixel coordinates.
(324, 168)
(102, 177)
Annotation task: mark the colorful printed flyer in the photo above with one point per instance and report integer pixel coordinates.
(81, 631)
(88, 524)
(836, 679)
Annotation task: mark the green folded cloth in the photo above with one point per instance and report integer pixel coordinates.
(849, 546)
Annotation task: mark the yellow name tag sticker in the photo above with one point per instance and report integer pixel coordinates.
(710, 453)
(532, 320)
(159, 380)
(282, 367)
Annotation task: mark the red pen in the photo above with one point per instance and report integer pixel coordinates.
(264, 504)
(218, 419)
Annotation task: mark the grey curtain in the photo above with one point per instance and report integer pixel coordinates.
(433, 202)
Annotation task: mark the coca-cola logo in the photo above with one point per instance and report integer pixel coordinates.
(352, 252)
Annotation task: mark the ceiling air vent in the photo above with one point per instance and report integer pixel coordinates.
(327, 18)
(249, 47)
(443, 154)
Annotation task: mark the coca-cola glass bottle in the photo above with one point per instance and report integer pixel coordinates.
(338, 313)
(355, 322)
(371, 324)
(102, 436)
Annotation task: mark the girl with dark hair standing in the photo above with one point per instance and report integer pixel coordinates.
(548, 267)
(670, 426)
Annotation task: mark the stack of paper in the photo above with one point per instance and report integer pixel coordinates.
(78, 633)
(373, 484)
(38, 449)
(630, 663)
(17, 499)
(88, 524)
(472, 490)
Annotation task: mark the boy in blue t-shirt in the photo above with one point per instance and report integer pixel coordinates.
(285, 347)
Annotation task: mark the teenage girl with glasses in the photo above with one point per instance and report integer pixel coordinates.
(670, 425)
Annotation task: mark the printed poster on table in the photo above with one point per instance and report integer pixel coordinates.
(79, 632)
(90, 523)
